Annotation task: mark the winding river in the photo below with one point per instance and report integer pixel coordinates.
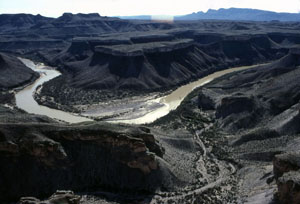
(172, 101)
(25, 98)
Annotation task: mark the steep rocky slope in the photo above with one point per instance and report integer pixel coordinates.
(126, 163)
(17, 22)
(248, 119)
(249, 97)
(259, 109)
(14, 73)
(160, 64)
(286, 171)
(25, 33)
(77, 157)
(154, 62)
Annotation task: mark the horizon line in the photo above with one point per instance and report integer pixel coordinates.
(166, 15)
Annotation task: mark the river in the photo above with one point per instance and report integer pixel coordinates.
(172, 101)
(25, 98)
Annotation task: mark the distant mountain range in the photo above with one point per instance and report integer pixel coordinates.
(237, 14)
(66, 25)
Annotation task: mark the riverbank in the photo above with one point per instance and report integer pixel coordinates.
(204, 161)
(25, 97)
(134, 109)
(237, 120)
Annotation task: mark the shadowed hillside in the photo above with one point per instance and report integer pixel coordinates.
(14, 73)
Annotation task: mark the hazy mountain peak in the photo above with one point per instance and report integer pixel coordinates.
(238, 14)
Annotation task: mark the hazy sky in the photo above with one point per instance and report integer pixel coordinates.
(137, 7)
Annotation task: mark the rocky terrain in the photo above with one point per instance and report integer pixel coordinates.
(234, 140)
(56, 156)
(140, 64)
(258, 111)
(14, 73)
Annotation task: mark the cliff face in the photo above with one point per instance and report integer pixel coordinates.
(14, 73)
(12, 22)
(151, 63)
(286, 171)
(24, 33)
(259, 111)
(238, 106)
(55, 157)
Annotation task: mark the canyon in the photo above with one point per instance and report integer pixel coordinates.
(234, 139)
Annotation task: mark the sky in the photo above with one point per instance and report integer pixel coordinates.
(55, 8)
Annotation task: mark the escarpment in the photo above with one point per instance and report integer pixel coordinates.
(13, 73)
(152, 64)
(238, 106)
(144, 66)
(259, 111)
(286, 171)
(144, 48)
(78, 158)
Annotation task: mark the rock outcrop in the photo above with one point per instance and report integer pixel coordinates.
(78, 157)
(258, 109)
(14, 22)
(286, 162)
(13, 73)
(289, 188)
(141, 49)
(151, 64)
(238, 106)
(206, 99)
(287, 174)
(234, 105)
